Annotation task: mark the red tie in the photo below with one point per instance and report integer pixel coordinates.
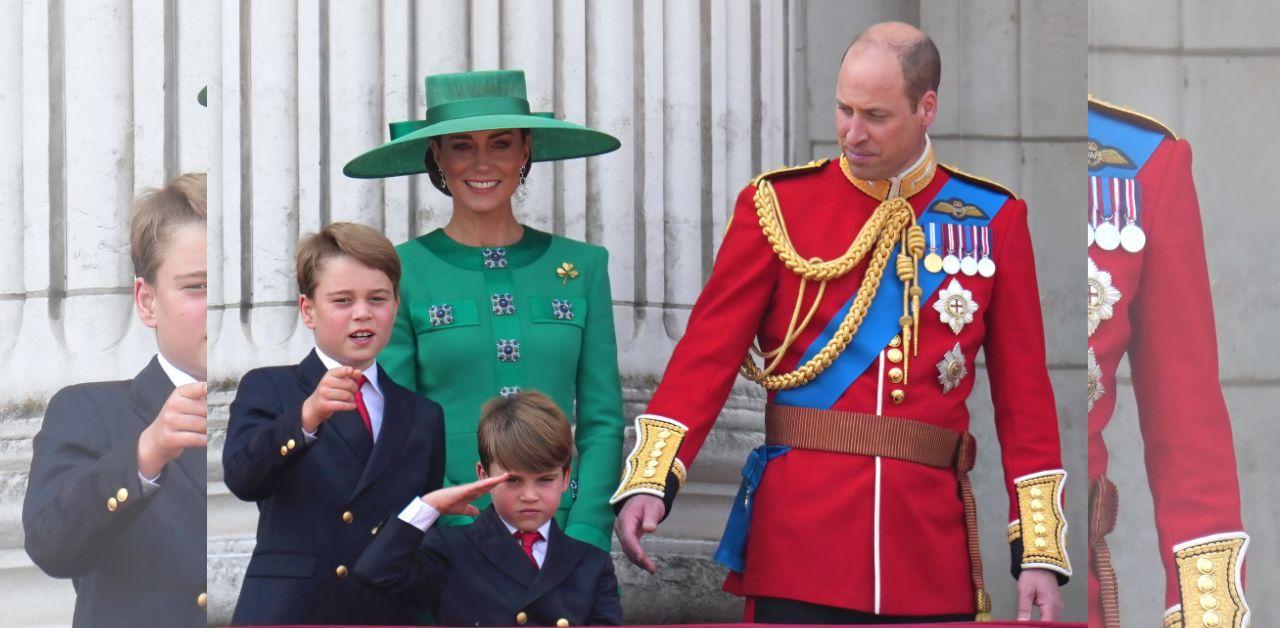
(527, 539)
(360, 407)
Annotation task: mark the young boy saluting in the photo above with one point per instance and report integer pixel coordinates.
(331, 445)
(512, 565)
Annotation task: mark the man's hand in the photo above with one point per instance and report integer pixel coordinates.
(181, 423)
(336, 392)
(639, 516)
(456, 500)
(1039, 588)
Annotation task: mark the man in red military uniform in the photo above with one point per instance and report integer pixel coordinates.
(871, 282)
(1149, 297)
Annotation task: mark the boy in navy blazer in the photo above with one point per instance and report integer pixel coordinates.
(116, 497)
(513, 565)
(329, 447)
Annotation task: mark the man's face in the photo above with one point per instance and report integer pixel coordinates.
(352, 312)
(175, 304)
(878, 132)
(527, 499)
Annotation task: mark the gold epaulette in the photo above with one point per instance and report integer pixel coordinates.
(790, 170)
(1209, 582)
(1136, 117)
(1041, 524)
(977, 180)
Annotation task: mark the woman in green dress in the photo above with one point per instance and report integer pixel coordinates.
(489, 306)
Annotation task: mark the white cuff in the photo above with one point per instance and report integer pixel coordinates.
(149, 485)
(419, 514)
(309, 437)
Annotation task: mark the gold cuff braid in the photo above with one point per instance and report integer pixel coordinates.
(1209, 582)
(657, 442)
(1041, 524)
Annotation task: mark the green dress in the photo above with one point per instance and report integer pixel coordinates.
(537, 315)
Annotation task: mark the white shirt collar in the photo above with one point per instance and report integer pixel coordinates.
(371, 373)
(176, 375)
(544, 529)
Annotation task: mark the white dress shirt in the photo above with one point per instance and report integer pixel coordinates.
(371, 391)
(422, 516)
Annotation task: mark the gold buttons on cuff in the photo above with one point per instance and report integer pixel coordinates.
(562, 623)
(341, 571)
(665, 433)
(650, 472)
(895, 375)
(1037, 517)
(347, 517)
(1204, 565)
(1040, 530)
(1205, 584)
(1211, 619)
(284, 450)
(1036, 492)
(122, 495)
(1208, 602)
(112, 504)
(896, 342)
(202, 601)
(1041, 543)
(291, 444)
(1037, 505)
(522, 618)
(894, 355)
(898, 396)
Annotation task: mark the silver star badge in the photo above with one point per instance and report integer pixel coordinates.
(951, 369)
(1096, 391)
(1102, 295)
(955, 306)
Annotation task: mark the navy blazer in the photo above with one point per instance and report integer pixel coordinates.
(319, 504)
(478, 575)
(134, 560)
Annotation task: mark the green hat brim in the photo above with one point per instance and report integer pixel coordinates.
(552, 140)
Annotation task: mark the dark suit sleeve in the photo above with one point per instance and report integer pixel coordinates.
(257, 457)
(435, 478)
(77, 471)
(403, 564)
(607, 610)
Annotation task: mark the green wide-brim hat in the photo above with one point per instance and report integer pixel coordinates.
(476, 101)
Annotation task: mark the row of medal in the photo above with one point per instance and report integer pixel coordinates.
(1115, 214)
(963, 249)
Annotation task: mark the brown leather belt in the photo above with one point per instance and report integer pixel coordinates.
(863, 434)
(1104, 504)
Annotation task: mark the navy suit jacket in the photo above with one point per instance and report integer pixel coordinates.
(136, 561)
(477, 575)
(319, 504)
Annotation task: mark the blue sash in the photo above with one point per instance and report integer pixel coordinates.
(733, 543)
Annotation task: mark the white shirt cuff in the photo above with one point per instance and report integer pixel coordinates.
(149, 485)
(309, 437)
(419, 514)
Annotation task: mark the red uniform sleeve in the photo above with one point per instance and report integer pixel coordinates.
(1173, 355)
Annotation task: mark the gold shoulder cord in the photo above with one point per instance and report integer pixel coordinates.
(892, 221)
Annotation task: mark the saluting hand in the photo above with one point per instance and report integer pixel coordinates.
(639, 516)
(456, 500)
(336, 392)
(182, 423)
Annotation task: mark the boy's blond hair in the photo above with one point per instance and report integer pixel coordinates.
(524, 432)
(360, 243)
(157, 213)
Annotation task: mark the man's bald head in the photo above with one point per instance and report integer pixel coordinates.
(919, 58)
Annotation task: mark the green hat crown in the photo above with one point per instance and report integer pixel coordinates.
(476, 101)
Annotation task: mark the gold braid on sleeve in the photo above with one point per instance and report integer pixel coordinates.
(1041, 523)
(658, 441)
(1209, 582)
(893, 221)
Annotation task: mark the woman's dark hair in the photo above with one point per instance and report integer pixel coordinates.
(433, 168)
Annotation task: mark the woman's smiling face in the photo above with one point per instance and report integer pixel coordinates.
(482, 168)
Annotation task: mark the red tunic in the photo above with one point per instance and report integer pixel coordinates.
(872, 534)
